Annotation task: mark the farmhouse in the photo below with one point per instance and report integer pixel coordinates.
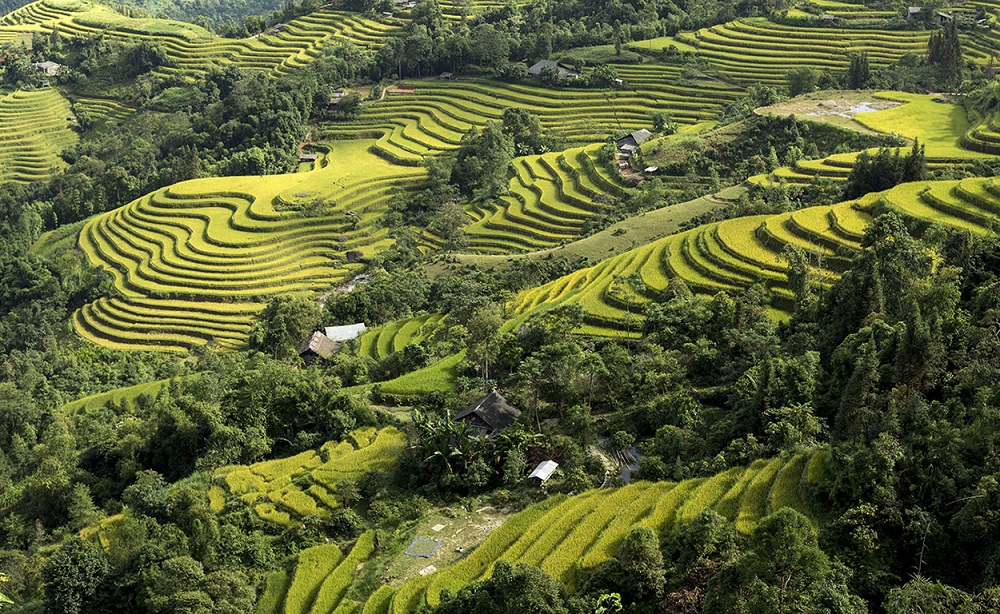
(543, 471)
(489, 414)
(316, 346)
(631, 142)
(447, 76)
(308, 157)
(49, 68)
(540, 67)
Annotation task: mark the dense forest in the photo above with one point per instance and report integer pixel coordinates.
(734, 300)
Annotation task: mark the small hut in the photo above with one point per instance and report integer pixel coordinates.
(543, 471)
(316, 346)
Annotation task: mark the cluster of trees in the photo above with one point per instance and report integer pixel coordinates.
(885, 169)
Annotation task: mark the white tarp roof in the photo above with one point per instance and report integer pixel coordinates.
(544, 470)
(343, 333)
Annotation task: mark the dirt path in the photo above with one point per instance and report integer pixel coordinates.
(308, 140)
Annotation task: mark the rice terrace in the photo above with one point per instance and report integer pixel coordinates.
(449, 306)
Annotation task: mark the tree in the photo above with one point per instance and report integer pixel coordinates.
(801, 80)
(663, 123)
(284, 323)
(944, 49)
(524, 130)
(72, 577)
(859, 72)
(483, 161)
(509, 590)
(636, 573)
(783, 571)
(921, 596)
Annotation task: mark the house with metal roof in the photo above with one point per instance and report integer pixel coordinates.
(540, 67)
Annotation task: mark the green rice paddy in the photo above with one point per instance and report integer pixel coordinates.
(269, 487)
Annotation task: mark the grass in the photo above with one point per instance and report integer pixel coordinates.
(275, 588)
(117, 396)
(439, 376)
(379, 601)
(334, 587)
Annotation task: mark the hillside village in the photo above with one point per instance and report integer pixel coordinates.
(450, 306)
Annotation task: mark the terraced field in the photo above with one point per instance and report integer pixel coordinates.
(852, 10)
(944, 130)
(731, 255)
(194, 260)
(34, 129)
(550, 198)
(394, 336)
(191, 48)
(268, 486)
(757, 50)
(102, 110)
(425, 117)
(319, 582)
(568, 536)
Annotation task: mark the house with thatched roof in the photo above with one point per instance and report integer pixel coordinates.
(317, 345)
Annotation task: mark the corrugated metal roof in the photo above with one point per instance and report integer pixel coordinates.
(343, 333)
(544, 470)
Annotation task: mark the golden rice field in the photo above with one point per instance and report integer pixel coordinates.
(425, 117)
(35, 127)
(569, 536)
(195, 261)
(192, 48)
(733, 254)
(550, 197)
(271, 487)
(319, 582)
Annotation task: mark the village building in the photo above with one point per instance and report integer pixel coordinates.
(539, 68)
(308, 157)
(49, 68)
(543, 471)
(631, 142)
(488, 415)
(315, 347)
(347, 332)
